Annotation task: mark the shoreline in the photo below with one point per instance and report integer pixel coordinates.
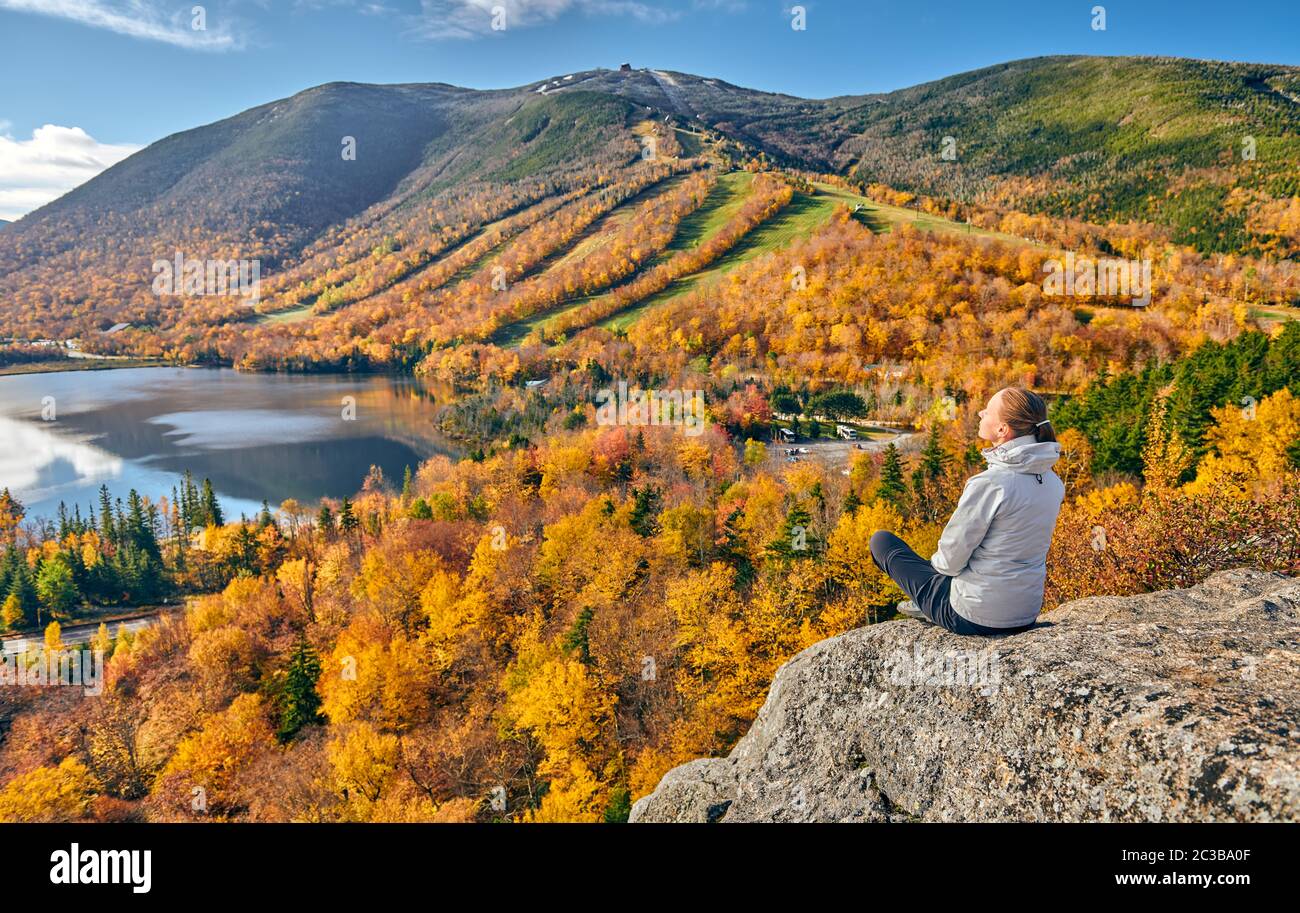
(65, 365)
(110, 363)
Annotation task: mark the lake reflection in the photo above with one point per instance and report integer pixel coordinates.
(256, 436)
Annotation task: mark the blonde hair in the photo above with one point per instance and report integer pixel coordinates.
(1025, 412)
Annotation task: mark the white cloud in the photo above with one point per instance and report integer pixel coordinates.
(471, 18)
(169, 23)
(43, 168)
(364, 7)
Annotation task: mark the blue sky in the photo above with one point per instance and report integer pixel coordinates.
(87, 81)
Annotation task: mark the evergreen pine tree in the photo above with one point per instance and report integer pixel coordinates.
(891, 489)
(23, 587)
(243, 556)
(299, 702)
(731, 548)
(645, 507)
(934, 459)
(347, 518)
(927, 478)
(211, 509)
(190, 509)
(106, 531)
(420, 510)
(140, 525)
(851, 502)
(796, 539)
(325, 519)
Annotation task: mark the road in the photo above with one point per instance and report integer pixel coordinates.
(75, 635)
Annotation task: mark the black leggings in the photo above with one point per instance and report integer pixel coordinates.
(926, 586)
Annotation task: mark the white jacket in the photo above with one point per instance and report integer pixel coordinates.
(995, 545)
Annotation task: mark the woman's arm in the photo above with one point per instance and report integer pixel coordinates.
(967, 526)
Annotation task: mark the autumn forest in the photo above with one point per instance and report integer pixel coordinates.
(540, 630)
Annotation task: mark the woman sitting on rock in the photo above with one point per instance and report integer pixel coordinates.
(987, 576)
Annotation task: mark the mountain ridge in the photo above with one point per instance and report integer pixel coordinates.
(633, 84)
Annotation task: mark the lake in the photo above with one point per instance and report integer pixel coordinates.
(256, 436)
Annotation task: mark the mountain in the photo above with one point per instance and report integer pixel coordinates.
(1166, 706)
(1073, 122)
(1094, 138)
(279, 170)
(1182, 143)
(264, 184)
(1131, 139)
(4, 222)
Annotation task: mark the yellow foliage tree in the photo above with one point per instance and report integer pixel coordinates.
(1164, 457)
(11, 615)
(54, 636)
(576, 795)
(48, 794)
(392, 582)
(1251, 444)
(686, 533)
(560, 701)
(225, 745)
(224, 660)
(102, 642)
(696, 459)
(376, 675)
(452, 609)
(848, 553)
(364, 761)
(1075, 467)
(1101, 501)
(726, 651)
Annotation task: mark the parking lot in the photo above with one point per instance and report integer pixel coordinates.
(835, 452)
